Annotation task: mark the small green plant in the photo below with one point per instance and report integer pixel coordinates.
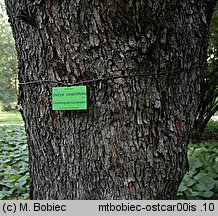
(201, 182)
(14, 171)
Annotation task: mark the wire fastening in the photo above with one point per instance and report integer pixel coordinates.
(110, 77)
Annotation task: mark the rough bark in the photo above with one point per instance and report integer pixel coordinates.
(131, 143)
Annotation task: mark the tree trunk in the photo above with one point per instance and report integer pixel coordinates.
(131, 143)
(208, 103)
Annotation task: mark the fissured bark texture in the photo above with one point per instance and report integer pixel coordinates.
(131, 143)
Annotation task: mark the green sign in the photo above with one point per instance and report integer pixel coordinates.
(69, 98)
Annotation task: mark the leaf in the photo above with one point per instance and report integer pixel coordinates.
(22, 181)
(182, 188)
(198, 187)
(190, 181)
(14, 177)
(207, 194)
(196, 164)
(207, 183)
(188, 192)
(215, 167)
(212, 175)
(197, 152)
(199, 175)
(14, 188)
(216, 186)
(2, 196)
(195, 193)
(5, 192)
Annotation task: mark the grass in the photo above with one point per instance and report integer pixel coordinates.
(10, 118)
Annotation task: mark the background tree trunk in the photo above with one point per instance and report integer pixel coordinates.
(131, 143)
(209, 103)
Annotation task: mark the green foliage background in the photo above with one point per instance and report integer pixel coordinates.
(14, 170)
(214, 29)
(201, 182)
(8, 61)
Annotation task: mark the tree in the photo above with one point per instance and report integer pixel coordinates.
(8, 61)
(209, 103)
(131, 143)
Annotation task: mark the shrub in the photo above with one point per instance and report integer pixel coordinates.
(201, 182)
(211, 130)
